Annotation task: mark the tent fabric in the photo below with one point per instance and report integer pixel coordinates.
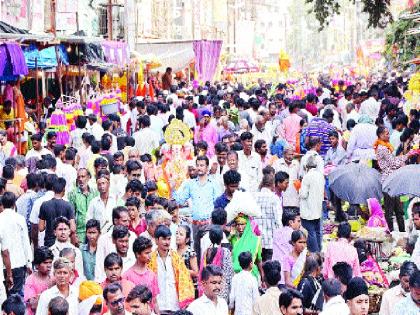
(46, 57)
(207, 53)
(116, 52)
(89, 53)
(177, 55)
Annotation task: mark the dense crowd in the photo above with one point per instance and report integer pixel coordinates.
(207, 199)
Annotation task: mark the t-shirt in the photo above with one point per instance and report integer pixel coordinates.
(50, 210)
(147, 278)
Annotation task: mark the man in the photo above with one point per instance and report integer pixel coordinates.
(114, 299)
(133, 169)
(334, 302)
(139, 299)
(54, 208)
(261, 148)
(67, 169)
(336, 155)
(51, 140)
(24, 203)
(392, 296)
(259, 130)
(8, 175)
(415, 214)
(271, 213)
(94, 128)
(249, 162)
(203, 191)
(14, 305)
(167, 79)
(219, 165)
(210, 303)
(170, 269)
(268, 303)
(14, 237)
(37, 150)
(80, 198)
(321, 127)
(281, 183)
(371, 106)
(38, 238)
(231, 180)
(154, 218)
(290, 126)
(311, 197)
(100, 208)
(7, 114)
(113, 266)
(314, 145)
(120, 238)
(106, 242)
(410, 305)
(58, 306)
(281, 240)
(108, 129)
(146, 139)
(62, 240)
(62, 275)
(206, 132)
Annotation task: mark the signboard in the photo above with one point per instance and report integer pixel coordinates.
(15, 12)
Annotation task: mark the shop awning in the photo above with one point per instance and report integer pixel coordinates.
(45, 58)
(12, 61)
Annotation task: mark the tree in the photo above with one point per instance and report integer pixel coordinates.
(377, 10)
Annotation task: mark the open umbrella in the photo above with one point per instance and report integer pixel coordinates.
(355, 183)
(404, 181)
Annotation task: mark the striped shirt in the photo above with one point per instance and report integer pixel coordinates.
(319, 127)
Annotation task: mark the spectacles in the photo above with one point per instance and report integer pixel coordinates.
(119, 301)
(135, 175)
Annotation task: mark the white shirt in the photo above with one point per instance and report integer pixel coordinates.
(57, 247)
(290, 196)
(244, 293)
(14, 234)
(250, 167)
(146, 140)
(107, 246)
(168, 297)
(48, 295)
(204, 306)
(311, 195)
(101, 212)
(189, 119)
(114, 144)
(304, 161)
(21, 202)
(336, 306)
(265, 134)
(156, 124)
(34, 216)
(38, 154)
(96, 130)
(69, 173)
(370, 107)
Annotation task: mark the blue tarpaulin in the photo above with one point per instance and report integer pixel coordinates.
(46, 57)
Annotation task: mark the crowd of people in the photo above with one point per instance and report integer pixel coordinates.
(205, 200)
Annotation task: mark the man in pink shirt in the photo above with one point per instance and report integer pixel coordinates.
(291, 125)
(341, 251)
(206, 132)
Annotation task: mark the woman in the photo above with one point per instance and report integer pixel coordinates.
(310, 285)
(183, 243)
(219, 256)
(387, 164)
(40, 280)
(357, 297)
(293, 264)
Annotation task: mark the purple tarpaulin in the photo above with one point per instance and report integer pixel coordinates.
(207, 53)
(116, 52)
(17, 59)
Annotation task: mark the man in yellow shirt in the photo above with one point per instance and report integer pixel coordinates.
(6, 113)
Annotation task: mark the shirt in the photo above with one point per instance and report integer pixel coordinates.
(204, 306)
(168, 297)
(406, 306)
(291, 195)
(360, 144)
(370, 107)
(312, 195)
(319, 127)
(390, 298)
(335, 306)
(96, 130)
(38, 154)
(147, 278)
(208, 134)
(341, 251)
(290, 128)
(271, 213)
(202, 196)
(250, 167)
(14, 236)
(57, 247)
(281, 243)
(101, 212)
(387, 162)
(222, 201)
(304, 161)
(89, 261)
(48, 295)
(146, 140)
(268, 304)
(336, 156)
(243, 293)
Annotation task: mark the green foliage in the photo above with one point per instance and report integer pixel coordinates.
(377, 10)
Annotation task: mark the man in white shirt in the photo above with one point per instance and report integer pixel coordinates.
(14, 234)
(371, 106)
(260, 130)
(94, 128)
(334, 302)
(146, 139)
(314, 145)
(156, 123)
(210, 303)
(37, 150)
(62, 275)
(249, 163)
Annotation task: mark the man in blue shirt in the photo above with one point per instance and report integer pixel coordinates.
(203, 191)
(231, 180)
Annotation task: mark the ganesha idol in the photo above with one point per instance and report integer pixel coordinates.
(177, 152)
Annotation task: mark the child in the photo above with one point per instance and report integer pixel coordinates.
(137, 222)
(40, 280)
(281, 239)
(93, 230)
(244, 290)
(139, 273)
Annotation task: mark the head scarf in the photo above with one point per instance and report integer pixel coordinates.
(356, 287)
(377, 218)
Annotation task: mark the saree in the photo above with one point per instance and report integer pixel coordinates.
(297, 269)
(248, 242)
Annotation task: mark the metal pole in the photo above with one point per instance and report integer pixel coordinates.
(78, 62)
(109, 10)
(38, 107)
